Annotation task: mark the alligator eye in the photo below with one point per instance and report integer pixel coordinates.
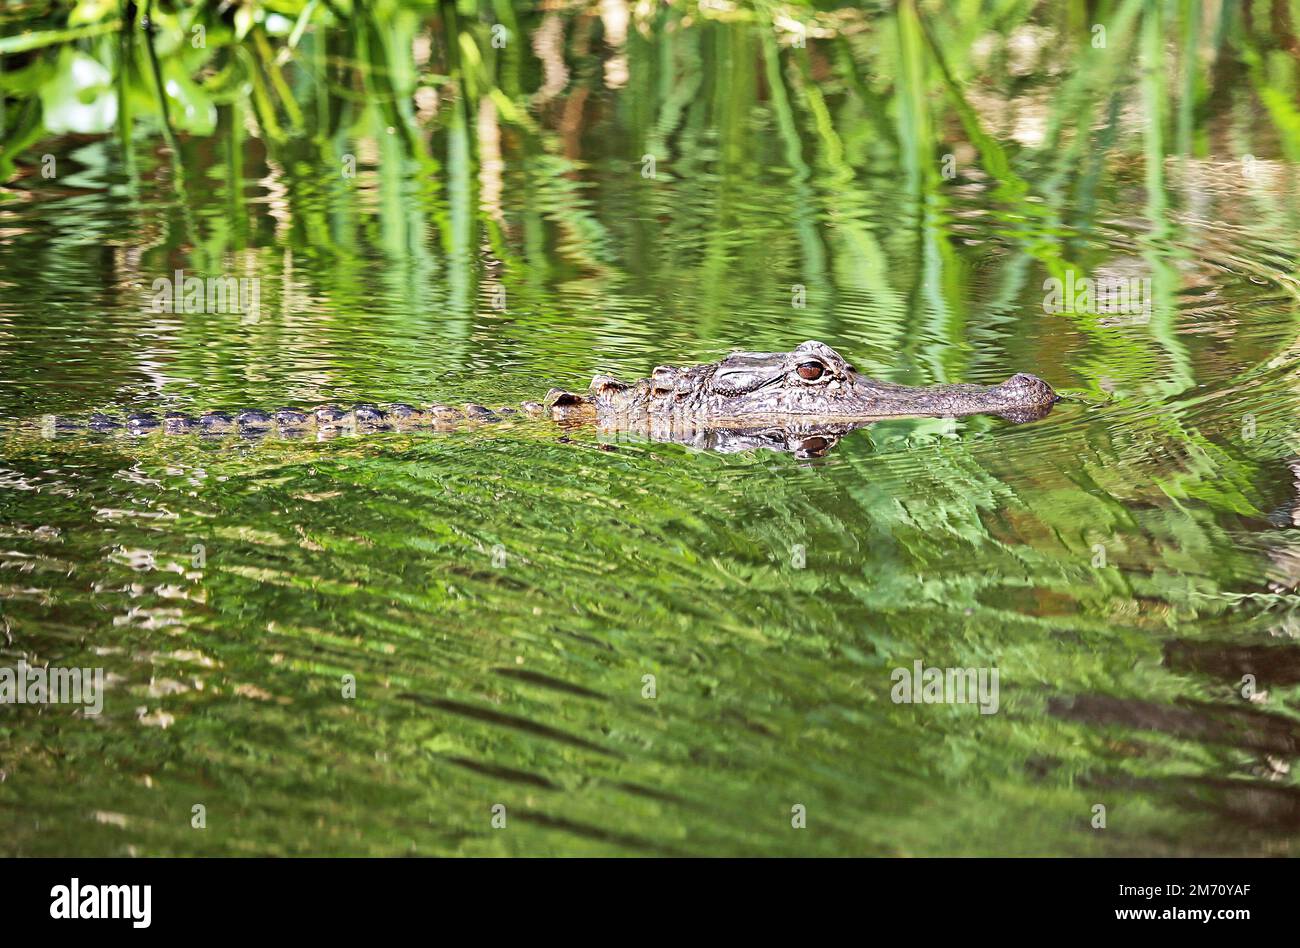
(811, 371)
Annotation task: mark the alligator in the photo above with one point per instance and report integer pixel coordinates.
(800, 401)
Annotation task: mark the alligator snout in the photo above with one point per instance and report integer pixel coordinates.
(1031, 388)
(1030, 398)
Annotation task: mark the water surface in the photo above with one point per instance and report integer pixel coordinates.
(610, 191)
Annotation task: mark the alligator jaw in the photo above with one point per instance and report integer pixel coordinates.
(1021, 398)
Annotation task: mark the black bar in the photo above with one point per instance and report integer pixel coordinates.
(327, 897)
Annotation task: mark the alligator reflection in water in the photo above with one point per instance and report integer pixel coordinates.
(804, 441)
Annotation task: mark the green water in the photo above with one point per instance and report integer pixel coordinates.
(432, 218)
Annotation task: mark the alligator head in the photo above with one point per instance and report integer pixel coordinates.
(811, 384)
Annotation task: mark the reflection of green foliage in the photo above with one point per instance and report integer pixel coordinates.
(330, 72)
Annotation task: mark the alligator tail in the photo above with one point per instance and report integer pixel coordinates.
(323, 418)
